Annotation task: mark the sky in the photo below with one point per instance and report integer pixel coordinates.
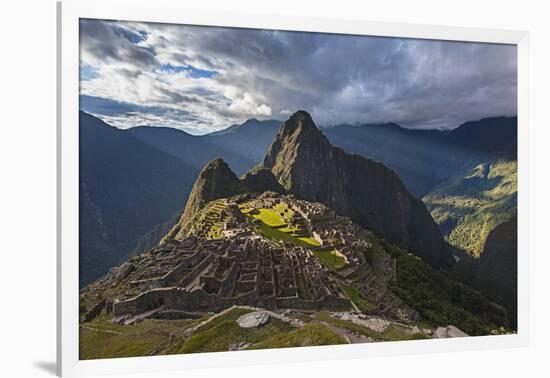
(203, 79)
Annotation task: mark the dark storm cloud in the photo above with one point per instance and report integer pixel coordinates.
(338, 78)
(109, 41)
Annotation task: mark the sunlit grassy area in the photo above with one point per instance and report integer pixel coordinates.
(270, 217)
(331, 259)
(273, 227)
(282, 208)
(218, 335)
(279, 236)
(310, 334)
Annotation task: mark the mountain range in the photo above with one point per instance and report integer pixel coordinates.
(120, 168)
(424, 159)
(126, 187)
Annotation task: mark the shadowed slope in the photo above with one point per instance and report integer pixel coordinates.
(126, 187)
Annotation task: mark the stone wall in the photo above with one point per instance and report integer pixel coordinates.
(199, 301)
(196, 271)
(171, 278)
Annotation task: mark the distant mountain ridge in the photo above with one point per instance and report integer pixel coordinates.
(242, 146)
(126, 187)
(424, 159)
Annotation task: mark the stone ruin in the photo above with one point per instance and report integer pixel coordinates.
(199, 274)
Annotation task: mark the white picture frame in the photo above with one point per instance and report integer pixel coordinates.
(69, 13)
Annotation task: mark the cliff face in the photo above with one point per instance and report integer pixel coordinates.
(308, 166)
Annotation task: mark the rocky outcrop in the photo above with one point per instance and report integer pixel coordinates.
(261, 180)
(253, 319)
(308, 166)
(448, 332)
(217, 180)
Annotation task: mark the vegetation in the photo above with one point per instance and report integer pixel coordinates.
(350, 326)
(441, 300)
(394, 332)
(222, 332)
(309, 335)
(363, 304)
(102, 339)
(468, 208)
(280, 236)
(269, 217)
(274, 226)
(331, 259)
(303, 291)
(220, 337)
(375, 253)
(230, 315)
(146, 187)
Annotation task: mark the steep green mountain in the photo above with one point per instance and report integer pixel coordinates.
(215, 181)
(126, 187)
(495, 272)
(308, 166)
(424, 159)
(468, 207)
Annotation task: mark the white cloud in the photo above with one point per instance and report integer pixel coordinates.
(206, 78)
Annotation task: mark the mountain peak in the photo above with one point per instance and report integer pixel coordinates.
(216, 165)
(298, 138)
(300, 121)
(215, 180)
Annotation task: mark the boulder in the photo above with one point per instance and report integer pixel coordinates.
(447, 332)
(253, 319)
(452, 331)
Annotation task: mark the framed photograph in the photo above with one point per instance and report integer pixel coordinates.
(240, 189)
